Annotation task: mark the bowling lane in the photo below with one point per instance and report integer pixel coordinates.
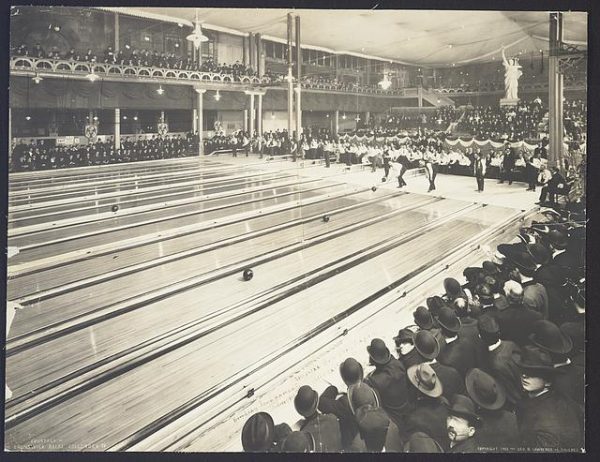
(69, 238)
(94, 297)
(70, 272)
(145, 393)
(95, 205)
(35, 366)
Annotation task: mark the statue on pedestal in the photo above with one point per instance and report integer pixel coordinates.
(512, 73)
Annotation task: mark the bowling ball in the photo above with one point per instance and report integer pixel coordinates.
(326, 218)
(115, 208)
(383, 179)
(248, 274)
(374, 188)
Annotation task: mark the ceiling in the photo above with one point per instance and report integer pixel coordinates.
(422, 37)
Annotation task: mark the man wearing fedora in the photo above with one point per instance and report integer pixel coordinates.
(324, 428)
(377, 432)
(516, 321)
(388, 380)
(260, 434)
(570, 380)
(351, 372)
(546, 419)
(462, 424)
(500, 358)
(458, 352)
(428, 349)
(499, 430)
(428, 412)
(425, 321)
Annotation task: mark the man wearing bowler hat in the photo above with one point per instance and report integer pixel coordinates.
(351, 372)
(499, 430)
(462, 424)
(428, 410)
(428, 348)
(324, 428)
(546, 419)
(298, 441)
(425, 321)
(260, 434)
(499, 361)
(459, 352)
(388, 380)
(571, 378)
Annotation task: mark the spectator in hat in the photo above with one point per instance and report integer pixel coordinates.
(428, 410)
(556, 185)
(485, 297)
(499, 430)
(260, 434)
(325, 428)
(377, 432)
(351, 372)
(422, 443)
(546, 420)
(428, 349)
(388, 380)
(462, 424)
(405, 348)
(499, 361)
(575, 330)
(458, 352)
(570, 381)
(453, 290)
(298, 442)
(516, 321)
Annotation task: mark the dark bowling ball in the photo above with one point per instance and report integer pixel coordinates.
(326, 218)
(374, 188)
(115, 208)
(248, 274)
(383, 179)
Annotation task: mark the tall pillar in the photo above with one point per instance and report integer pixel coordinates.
(199, 108)
(246, 120)
(367, 117)
(259, 115)
(116, 47)
(336, 123)
(555, 95)
(252, 114)
(260, 55)
(290, 60)
(420, 96)
(298, 80)
(10, 138)
(194, 120)
(252, 51)
(117, 140)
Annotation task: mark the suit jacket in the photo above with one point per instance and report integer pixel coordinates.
(429, 416)
(412, 358)
(452, 382)
(325, 429)
(516, 323)
(470, 445)
(340, 407)
(501, 365)
(571, 383)
(550, 422)
(393, 441)
(535, 297)
(499, 432)
(420, 442)
(390, 382)
(460, 354)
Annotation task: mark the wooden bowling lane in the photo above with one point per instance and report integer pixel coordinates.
(115, 335)
(44, 316)
(38, 285)
(84, 246)
(198, 369)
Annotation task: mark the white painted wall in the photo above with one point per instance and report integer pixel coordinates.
(230, 48)
(273, 120)
(231, 120)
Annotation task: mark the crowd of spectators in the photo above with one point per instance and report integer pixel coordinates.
(391, 124)
(33, 157)
(136, 57)
(493, 364)
(575, 119)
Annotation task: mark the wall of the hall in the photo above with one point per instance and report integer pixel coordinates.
(230, 48)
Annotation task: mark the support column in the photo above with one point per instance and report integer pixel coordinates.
(117, 131)
(259, 115)
(10, 141)
(336, 123)
(199, 108)
(367, 117)
(116, 47)
(252, 114)
(420, 96)
(260, 56)
(555, 93)
(298, 80)
(194, 120)
(246, 120)
(290, 89)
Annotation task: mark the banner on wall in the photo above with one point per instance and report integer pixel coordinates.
(65, 141)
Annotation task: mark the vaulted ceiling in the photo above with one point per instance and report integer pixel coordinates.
(423, 37)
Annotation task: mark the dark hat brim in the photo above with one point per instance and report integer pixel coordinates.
(432, 355)
(425, 326)
(455, 327)
(384, 359)
(470, 385)
(474, 419)
(533, 367)
(565, 347)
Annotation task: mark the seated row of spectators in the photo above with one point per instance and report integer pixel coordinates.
(136, 57)
(514, 122)
(441, 118)
(33, 157)
(493, 364)
(575, 119)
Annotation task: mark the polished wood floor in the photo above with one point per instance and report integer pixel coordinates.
(134, 311)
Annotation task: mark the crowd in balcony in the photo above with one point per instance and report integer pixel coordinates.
(136, 57)
(575, 119)
(514, 123)
(493, 362)
(33, 157)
